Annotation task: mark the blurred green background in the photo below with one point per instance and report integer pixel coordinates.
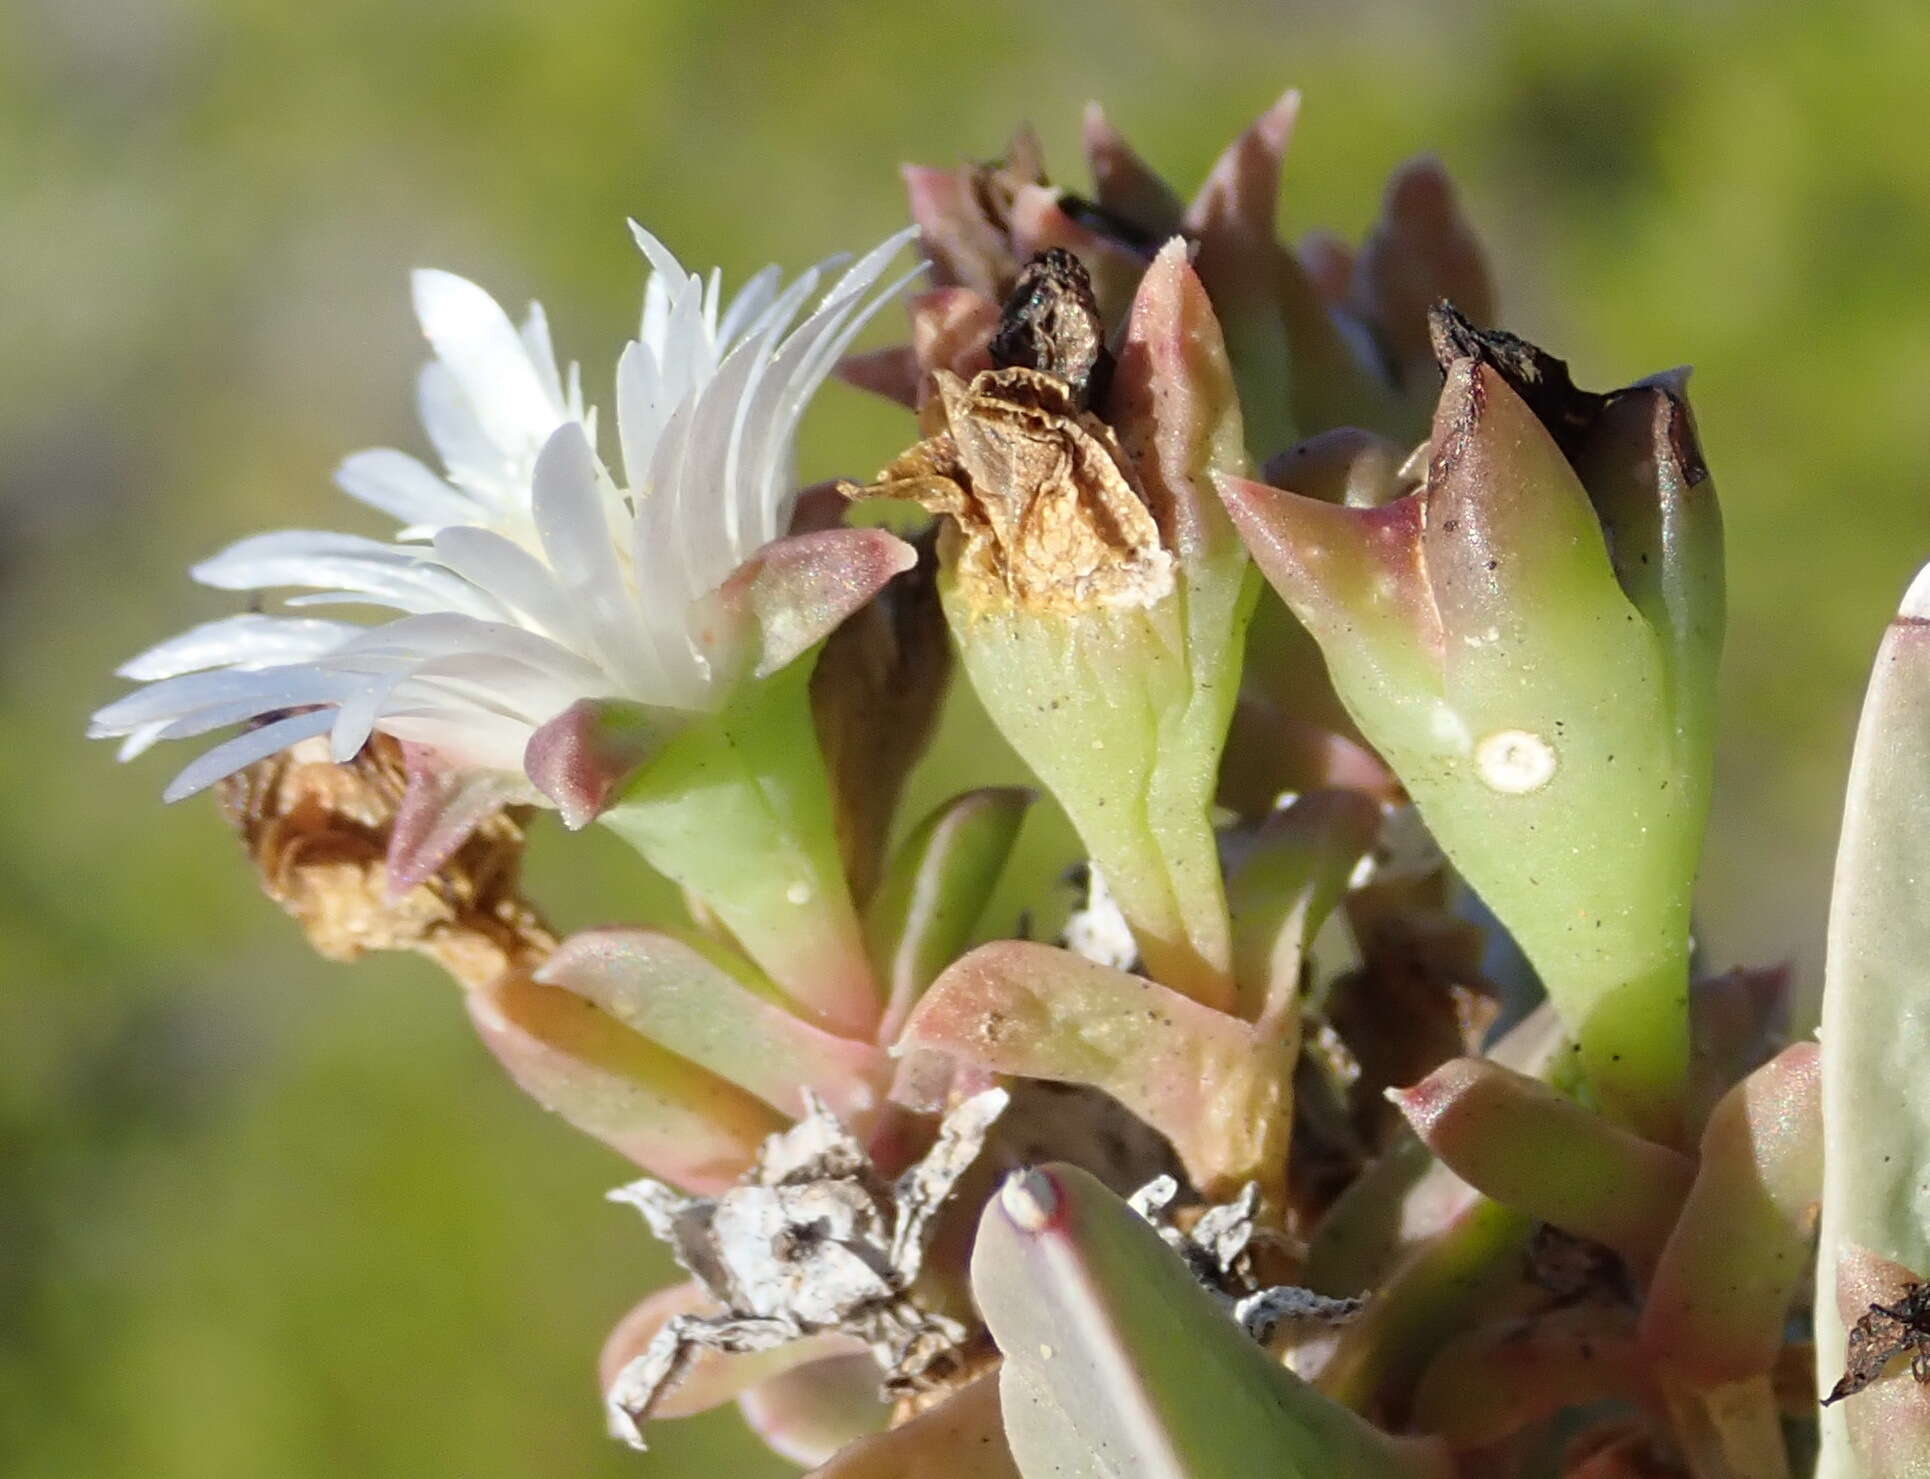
(264, 1216)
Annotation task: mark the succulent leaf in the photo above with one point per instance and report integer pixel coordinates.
(671, 1117)
(1118, 1365)
(1555, 739)
(1202, 1078)
(1875, 1041)
(1719, 1301)
(934, 889)
(682, 998)
(1296, 871)
(1518, 1141)
(961, 1437)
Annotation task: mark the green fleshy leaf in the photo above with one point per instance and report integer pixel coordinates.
(812, 1411)
(934, 889)
(737, 810)
(1118, 1365)
(1876, 1044)
(1294, 874)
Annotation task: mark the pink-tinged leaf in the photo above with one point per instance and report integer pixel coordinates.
(1435, 1252)
(1237, 206)
(1887, 1423)
(938, 883)
(442, 805)
(1328, 262)
(1124, 183)
(671, 1117)
(712, 1377)
(961, 1437)
(1038, 222)
(812, 1412)
(1516, 1140)
(1296, 370)
(1737, 1021)
(938, 203)
(585, 757)
(965, 245)
(1353, 576)
(1269, 753)
(1418, 253)
(1174, 405)
(1285, 886)
(798, 589)
(1720, 1298)
(1200, 1077)
(678, 997)
(892, 372)
(1360, 469)
(1243, 267)
(1119, 1365)
(1507, 1375)
(951, 329)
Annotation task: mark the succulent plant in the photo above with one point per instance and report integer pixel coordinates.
(1372, 1114)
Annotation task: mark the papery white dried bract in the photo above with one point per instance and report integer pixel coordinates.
(1218, 1250)
(812, 1241)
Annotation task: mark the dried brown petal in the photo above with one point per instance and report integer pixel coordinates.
(1044, 500)
(319, 835)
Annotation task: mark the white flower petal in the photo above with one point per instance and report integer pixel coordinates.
(546, 582)
(242, 692)
(400, 577)
(248, 640)
(403, 488)
(535, 335)
(513, 576)
(244, 750)
(572, 523)
(471, 455)
(474, 337)
(750, 302)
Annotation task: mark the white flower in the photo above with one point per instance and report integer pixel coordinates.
(527, 578)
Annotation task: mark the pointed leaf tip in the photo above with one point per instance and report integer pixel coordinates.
(584, 757)
(798, 589)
